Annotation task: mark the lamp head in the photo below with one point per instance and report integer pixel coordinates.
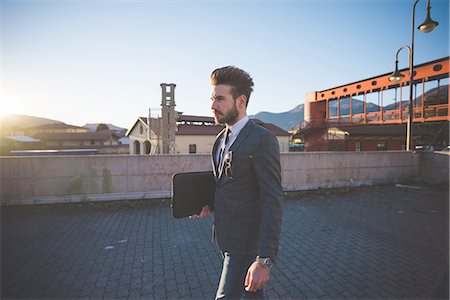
(396, 76)
(428, 25)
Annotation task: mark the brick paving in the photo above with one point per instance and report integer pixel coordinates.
(382, 242)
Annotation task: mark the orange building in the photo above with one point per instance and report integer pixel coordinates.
(371, 114)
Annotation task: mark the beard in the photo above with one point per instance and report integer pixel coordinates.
(228, 118)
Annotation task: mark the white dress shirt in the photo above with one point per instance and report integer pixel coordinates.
(235, 130)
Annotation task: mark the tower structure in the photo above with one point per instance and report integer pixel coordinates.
(168, 118)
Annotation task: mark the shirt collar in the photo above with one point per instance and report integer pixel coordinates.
(237, 127)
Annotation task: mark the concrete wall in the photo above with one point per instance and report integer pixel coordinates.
(29, 180)
(283, 142)
(434, 167)
(313, 170)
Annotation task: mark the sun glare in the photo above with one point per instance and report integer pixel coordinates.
(10, 104)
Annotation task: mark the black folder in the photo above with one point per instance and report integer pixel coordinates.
(191, 191)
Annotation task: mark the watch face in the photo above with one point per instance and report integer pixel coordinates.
(266, 262)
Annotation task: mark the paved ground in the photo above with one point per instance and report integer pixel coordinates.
(372, 243)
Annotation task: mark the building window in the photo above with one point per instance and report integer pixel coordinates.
(373, 102)
(436, 92)
(137, 147)
(192, 148)
(92, 142)
(381, 145)
(358, 146)
(147, 147)
(390, 99)
(333, 108)
(344, 106)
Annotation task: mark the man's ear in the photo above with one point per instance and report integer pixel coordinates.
(242, 101)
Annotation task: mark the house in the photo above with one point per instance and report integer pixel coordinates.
(144, 136)
(59, 140)
(45, 128)
(191, 134)
(20, 137)
(100, 142)
(54, 128)
(17, 142)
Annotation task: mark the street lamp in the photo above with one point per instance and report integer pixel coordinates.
(427, 26)
(397, 76)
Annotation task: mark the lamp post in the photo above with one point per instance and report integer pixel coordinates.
(427, 26)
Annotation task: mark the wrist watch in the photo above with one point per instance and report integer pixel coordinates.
(266, 262)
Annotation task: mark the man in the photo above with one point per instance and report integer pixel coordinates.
(249, 196)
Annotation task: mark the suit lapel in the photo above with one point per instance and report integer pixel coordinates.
(240, 138)
(242, 135)
(214, 153)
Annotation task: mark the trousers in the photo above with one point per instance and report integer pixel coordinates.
(231, 283)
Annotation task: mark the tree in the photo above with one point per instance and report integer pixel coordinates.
(101, 127)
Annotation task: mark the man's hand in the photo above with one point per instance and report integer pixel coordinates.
(203, 213)
(257, 277)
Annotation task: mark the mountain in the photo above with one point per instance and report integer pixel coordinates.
(285, 120)
(357, 107)
(13, 122)
(93, 127)
(23, 121)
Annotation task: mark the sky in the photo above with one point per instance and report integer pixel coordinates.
(102, 61)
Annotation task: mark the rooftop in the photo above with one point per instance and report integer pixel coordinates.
(55, 126)
(99, 135)
(22, 139)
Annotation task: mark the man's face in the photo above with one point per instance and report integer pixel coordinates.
(223, 105)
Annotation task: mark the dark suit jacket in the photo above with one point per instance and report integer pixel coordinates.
(248, 206)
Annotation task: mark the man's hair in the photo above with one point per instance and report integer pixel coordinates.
(240, 81)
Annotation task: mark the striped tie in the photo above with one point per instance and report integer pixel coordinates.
(222, 150)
